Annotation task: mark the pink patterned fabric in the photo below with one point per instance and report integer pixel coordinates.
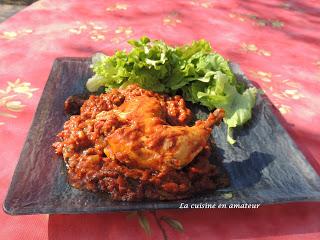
(275, 42)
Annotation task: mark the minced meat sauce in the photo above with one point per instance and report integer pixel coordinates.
(83, 142)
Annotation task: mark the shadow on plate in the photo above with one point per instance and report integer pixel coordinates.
(247, 173)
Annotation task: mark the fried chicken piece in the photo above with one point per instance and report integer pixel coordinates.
(146, 140)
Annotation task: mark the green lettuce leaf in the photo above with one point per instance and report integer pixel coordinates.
(238, 107)
(202, 75)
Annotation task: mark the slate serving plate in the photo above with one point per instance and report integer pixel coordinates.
(265, 166)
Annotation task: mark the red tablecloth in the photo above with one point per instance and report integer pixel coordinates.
(275, 42)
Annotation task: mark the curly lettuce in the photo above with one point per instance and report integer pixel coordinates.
(203, 76)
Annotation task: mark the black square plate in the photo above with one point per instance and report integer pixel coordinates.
(265, 166)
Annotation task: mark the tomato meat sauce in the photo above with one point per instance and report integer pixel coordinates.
(84, 144)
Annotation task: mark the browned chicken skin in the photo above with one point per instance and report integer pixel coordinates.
(148, 141)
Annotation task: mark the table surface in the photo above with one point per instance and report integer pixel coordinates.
(276, 44)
